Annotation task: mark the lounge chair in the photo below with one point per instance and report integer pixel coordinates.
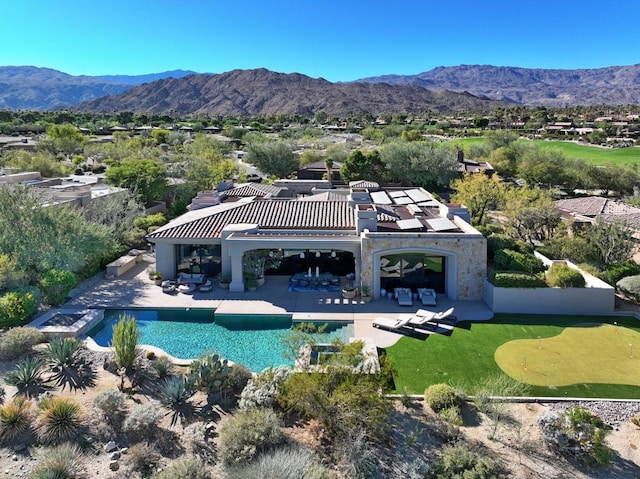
(169, 287)
(427, 296)
(392, 324)
(206, 286)
(422, 317)
(444, 316)
(403, 295)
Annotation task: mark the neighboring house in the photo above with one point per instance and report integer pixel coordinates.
(318, 170)
(387, 238)
(588, 208)
(471, 166)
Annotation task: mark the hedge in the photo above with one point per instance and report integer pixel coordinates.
(616, 271)
(561, 276)
(516, 279)
(16, 308)
(630, 287)
(56, 285)
(509, 260)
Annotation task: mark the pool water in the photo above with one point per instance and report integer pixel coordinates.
(254, 341)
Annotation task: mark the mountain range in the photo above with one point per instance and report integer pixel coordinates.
(528, 86)
(260, 91)
(34, 88)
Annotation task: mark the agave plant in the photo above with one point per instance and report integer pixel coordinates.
(15, 418)
(27, 376)
(60, 419)
(63, 353)
(174, 393)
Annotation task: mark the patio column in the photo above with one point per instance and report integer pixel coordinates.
(358, 266)
(237, 282)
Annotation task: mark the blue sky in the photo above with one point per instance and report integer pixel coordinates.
(337, 40)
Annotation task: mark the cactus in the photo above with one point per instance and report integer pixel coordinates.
(210, 373)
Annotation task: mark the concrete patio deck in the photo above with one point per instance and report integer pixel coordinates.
(135, 289)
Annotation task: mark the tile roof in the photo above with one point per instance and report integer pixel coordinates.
(267, 214)
(372, 185)
(587, 206)
(325, 196)
(253, 189)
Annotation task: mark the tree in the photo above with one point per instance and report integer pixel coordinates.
(48, 237)
(478, 193)
(541, 166)
(66, 139)
(420, 163)
(146, 178)
(363, 166)
(43, 162)
(612, 241)
(117, 211)
(530, 214)
(274, 158)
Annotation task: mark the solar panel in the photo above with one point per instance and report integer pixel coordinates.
(417, 196)
(411, 224)
(414, 209)
(441, 224)
(397, 194)
(380, 198)
(403, 200)
(431, 203)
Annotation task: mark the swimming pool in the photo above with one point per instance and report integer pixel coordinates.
(254, 341)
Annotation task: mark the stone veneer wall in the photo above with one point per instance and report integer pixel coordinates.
(465, 252)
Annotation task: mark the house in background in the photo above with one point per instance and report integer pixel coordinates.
(385, 237)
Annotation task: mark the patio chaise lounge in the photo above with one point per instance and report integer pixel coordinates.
(427, 296)
(403, 295)
(392, 324)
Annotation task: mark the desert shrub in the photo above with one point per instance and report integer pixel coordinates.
(502, 279)
(15, 418)
(509, 260)
(293, 462)
(16, 308)
(142, 459)
(60, 419)
(452, 415)
(56, 285)
(441, 396)
(630, 287)
(263, 389)
(499, 241)
(356, 457)
(2, 393)
(561, 276)
(576, 433)
(16, 341)
(239, 377)
(195, 438)
(144, 223)
(125, 342)
(463, 461)
(142, 421)
(247, 433)
(616, 271)
(61, 462)
(188, 467)
(636, 420)
(27, 376)
(162, 366)
(112, 403)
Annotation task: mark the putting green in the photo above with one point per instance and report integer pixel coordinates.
(589, 353)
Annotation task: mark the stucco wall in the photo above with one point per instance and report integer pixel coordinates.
(466, 258)
(575, 301)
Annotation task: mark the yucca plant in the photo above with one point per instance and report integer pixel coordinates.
(61, 462)
(15, 418)
(125, 342)
(174, 393)
(162, 366)
(27, 376)
(60, 419)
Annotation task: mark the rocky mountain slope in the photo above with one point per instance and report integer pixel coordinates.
(263, 92)
(611, 86)
(33, 88)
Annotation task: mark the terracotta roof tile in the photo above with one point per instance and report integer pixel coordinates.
(268, 214)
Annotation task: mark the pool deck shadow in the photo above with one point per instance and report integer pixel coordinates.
(135, 289)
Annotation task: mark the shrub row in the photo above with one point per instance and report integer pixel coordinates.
(507, 279)
(561, 276)
(510, 260)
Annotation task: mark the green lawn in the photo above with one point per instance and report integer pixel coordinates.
(592, 154)
(468, 356)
